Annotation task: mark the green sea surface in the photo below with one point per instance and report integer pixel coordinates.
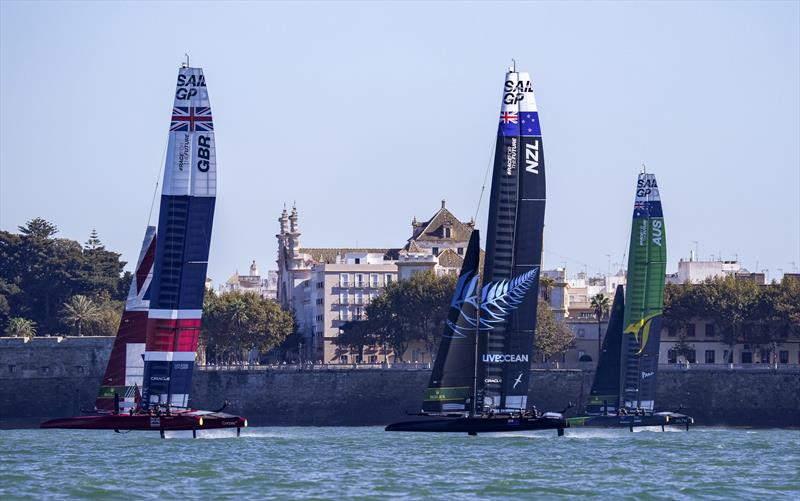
(368, 463)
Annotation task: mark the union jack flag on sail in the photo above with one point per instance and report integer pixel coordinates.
(191, 118)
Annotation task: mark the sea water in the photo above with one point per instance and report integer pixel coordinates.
(368, 463)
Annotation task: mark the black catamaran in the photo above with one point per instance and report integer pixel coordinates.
(623, 391)
(481, 373)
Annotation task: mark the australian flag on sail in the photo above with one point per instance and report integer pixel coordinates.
(649, 208)
(524, 123)
(191, 119)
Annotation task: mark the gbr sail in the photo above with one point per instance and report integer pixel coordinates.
(644, 298)
(123, 377)
(513, 248)
(184, 236)
(452, 385)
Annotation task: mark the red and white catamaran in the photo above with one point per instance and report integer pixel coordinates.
(149, 375)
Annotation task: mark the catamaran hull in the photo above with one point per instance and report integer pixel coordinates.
(190, 420)
(480, 425)
(659, 419)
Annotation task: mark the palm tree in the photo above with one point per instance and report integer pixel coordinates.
(21, 327)
(546, 285)
(79, 310)
(600, 304)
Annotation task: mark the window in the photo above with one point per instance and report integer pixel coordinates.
(765, 356)
(727, 357)
(344, 280)
(320, 285)
(358, 260)
(711, 331)
(389, 278)
(344, 298)
(373, 359)
(343, 314)
(435, 251)
(672, 357)
(581, 332)
(460, 251)
(710, 356)
(343, 359)
(320, 318)
(12, 368)
(373, 279)
(359, 280)
(691, 356)
(690, 331)
(783, 356)
(359, 298)
(448, 232)
(359, 313)
(747, 357)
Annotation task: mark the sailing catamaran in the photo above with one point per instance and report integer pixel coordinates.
(171, 274)
(624, 387)
(480, 377)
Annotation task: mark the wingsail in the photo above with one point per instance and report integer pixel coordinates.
(184, 236)
(513, 247)
(123, 377)
(644, 299)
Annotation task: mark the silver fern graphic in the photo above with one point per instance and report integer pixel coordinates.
(498, 299)
(466, 292)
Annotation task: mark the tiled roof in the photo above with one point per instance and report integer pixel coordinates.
(323, 255)
(433, 230)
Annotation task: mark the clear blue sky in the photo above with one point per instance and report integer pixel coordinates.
(367, 114)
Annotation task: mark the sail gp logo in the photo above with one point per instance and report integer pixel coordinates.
(514, 92)
(496, 358)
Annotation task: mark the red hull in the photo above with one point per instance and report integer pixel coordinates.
(187, 420)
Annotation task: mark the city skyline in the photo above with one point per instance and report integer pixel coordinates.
(373, 127)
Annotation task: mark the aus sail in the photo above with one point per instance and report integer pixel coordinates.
(513, 246)
(644, 299)
(184, 236)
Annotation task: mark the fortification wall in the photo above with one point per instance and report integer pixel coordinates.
(74, 366)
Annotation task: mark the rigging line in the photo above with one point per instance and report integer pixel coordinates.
(158, 178)
(485, 176)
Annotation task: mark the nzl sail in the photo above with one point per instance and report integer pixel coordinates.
(184, 236)
(644, 300)
(123, 376)
(452, 385)
(604, 397)
(513, 248)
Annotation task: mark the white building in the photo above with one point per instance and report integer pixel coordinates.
(264, 287)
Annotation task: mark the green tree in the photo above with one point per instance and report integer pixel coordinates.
(411, 310)
(38, 228)
(237, 322)
(109, 315)
(41, 272)
(356, 335)
(21, 327)
(545, 287)
(600, 305)
(552, 337)
(94, 241)
(80, 310)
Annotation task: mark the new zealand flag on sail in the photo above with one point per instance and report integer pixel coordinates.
(524, 123)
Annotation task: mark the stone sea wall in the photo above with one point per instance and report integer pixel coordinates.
(52, 377)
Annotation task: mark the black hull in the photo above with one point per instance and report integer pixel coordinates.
(658, 419)
(477, 425)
